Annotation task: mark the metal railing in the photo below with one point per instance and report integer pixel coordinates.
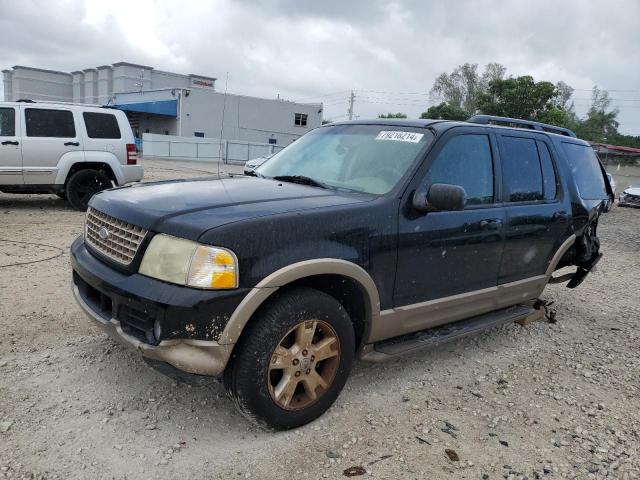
(203, 149)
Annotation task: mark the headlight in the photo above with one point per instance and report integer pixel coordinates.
(184, 262)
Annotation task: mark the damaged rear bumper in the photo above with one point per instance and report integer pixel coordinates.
(577, 277)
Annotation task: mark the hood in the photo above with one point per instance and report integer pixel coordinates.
(633, 191)
(188, 208)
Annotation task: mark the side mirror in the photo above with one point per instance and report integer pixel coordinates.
(440, 197)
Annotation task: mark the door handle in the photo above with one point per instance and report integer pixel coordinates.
(75, 144)
(561, 215)
(490, 224)
(10, 142)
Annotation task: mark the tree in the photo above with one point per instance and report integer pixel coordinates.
(392, 115)
(556, 116)
(519, 97)
(445, 111)
(462, 87)
(601, 124)
(492, 71)
(563, 97)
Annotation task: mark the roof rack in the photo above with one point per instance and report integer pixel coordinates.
(541, 127)
(56, 102)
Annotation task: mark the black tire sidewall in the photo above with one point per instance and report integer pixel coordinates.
(246, 377)
(78, 178)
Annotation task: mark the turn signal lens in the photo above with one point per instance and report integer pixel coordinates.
(213, 267)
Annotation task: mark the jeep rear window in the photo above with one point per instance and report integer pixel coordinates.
(101, 125)
(586, 171)
(7, 122)
(49, 123)
(364, 158)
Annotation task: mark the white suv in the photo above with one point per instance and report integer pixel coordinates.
(71, 150)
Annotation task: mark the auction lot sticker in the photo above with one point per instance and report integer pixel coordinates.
(400, 136)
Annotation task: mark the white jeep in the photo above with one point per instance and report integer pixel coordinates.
(71, 150)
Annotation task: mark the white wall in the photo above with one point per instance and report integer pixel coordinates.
(39, 84)
(245, 118)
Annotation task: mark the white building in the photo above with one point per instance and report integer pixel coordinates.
(168, 103)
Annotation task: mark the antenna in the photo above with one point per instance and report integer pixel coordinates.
(224, 107)
(141, 82)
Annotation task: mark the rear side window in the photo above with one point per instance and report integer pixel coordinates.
(49, 123)
(586, 171)
(521, 172)
(7, 122)
(101, 125)
(549, 179)
(466, 161)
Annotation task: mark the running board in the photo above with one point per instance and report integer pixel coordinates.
(445, 333)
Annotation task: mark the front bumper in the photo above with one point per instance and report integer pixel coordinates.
(128, 306)
(199, 357)
(629, 202)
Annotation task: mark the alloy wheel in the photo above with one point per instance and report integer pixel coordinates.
(304, 364)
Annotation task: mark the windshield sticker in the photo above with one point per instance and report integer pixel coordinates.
(400, 136)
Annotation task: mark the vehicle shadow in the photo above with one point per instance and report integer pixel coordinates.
(19, 201)
(207, 400)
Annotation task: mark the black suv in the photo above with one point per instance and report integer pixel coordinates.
(367, 238)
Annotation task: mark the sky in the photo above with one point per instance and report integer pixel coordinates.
(387, 52)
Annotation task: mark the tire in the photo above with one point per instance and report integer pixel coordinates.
(254, 377)
(85, 184)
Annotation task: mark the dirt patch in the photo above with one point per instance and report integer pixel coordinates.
(539, 401)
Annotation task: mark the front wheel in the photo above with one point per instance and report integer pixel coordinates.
(293, 360)
(85, 184)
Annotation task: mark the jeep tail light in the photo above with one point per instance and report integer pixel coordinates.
(132, 154)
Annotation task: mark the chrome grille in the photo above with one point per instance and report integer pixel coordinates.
(119, 240)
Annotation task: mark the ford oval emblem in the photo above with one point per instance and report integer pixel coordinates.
(103, 233)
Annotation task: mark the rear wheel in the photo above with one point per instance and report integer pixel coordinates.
(293, 360)
(85, 184)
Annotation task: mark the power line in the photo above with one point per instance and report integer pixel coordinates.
(322, 96)
(602, 90)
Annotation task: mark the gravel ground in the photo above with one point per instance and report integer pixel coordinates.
(541, 401)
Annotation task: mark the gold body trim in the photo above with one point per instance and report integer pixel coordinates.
(211, 358)
(308, 268)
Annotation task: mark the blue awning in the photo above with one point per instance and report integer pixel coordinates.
(159, 107)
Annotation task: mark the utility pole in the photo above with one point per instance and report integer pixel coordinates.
(352, 98)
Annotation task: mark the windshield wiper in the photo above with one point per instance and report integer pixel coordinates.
(301, 179)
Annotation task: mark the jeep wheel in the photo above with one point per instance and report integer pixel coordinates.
(85, 184)
(292, 361)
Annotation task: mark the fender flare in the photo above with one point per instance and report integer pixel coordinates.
(553, 263)
(67, 161)
(297, 271)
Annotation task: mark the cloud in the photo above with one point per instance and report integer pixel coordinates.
(389, 52)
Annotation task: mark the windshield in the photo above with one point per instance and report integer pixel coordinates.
(363, 158)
